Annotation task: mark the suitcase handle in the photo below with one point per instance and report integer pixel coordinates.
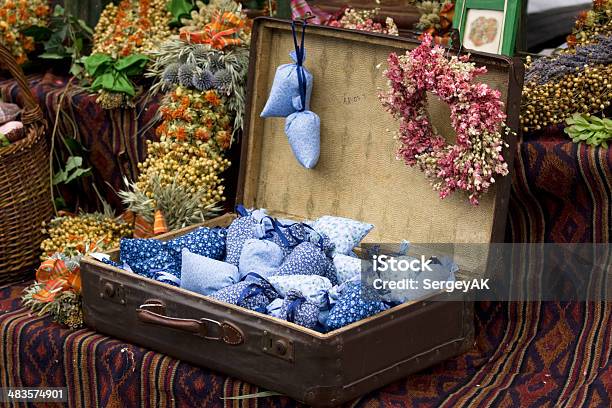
(153, 312)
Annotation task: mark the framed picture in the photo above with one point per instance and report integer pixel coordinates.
(488, 25)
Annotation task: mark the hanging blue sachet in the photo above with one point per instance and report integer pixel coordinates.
(303, 128)
(286, 87)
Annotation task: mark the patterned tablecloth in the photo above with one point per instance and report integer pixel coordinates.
(526, 354)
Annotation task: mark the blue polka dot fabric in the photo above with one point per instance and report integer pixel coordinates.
(312, 287)
(252, 294)
(352, 306)
(306, 259)
(149, 258)
(345, 233)
(299, 310)
(208, 242)
(241, 230)
(290, 236)
(161, 260)
(133, 249)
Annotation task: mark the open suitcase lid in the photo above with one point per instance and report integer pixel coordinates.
(358, 175)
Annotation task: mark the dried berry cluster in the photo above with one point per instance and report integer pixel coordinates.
(67, 234)
(592, 24)
(579, 81)
(133, 26)
(194, 168)
(15, 16)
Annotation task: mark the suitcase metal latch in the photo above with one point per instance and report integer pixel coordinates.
(277, 346)
(112, 291)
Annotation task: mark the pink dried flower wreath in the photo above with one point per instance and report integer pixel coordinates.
(476, 115)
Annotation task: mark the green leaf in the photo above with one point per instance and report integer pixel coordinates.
(73, 162)
(78, 173)
(179, 9)
(58, 11)
(60, 203)
(38, 33)
(123, 84)
(132, 65)
(96, 64)
(76, 70)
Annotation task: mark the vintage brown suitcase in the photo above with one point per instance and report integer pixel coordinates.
(357, 176)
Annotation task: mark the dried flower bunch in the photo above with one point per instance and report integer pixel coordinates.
(575, 81)
(57, 289)
(430, 13)
(206, 13)
(476, 115)
(133, 26)
(178, 204)
(64, 306)
(364, 20)
(17, 15)
(197, 117)
(592, 24)
(202, 67)
(66, 234)
(194, 168)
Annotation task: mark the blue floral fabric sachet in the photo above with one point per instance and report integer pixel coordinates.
(287, 236)
(306, 259)
(208, 242)
(248, 226)
(303, 130)
(205, 275)
(345, 233)
(251, 293)
(352, 306)
(284, 88)
(260, 256)
(298, 309)
(312, 287)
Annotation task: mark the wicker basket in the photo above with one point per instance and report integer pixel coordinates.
(25, 195)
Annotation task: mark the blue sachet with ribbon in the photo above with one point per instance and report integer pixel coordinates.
(208, 242)
(312, 287)
(253, 292)
(296, 308)
(303, 127)
(248, 226)
(306, 259)
(260, 256)
(286, 235)
(285, 87)
(205, 275)
(352, 305)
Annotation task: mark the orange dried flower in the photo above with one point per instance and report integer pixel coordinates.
(212, 98)
(202, 134)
